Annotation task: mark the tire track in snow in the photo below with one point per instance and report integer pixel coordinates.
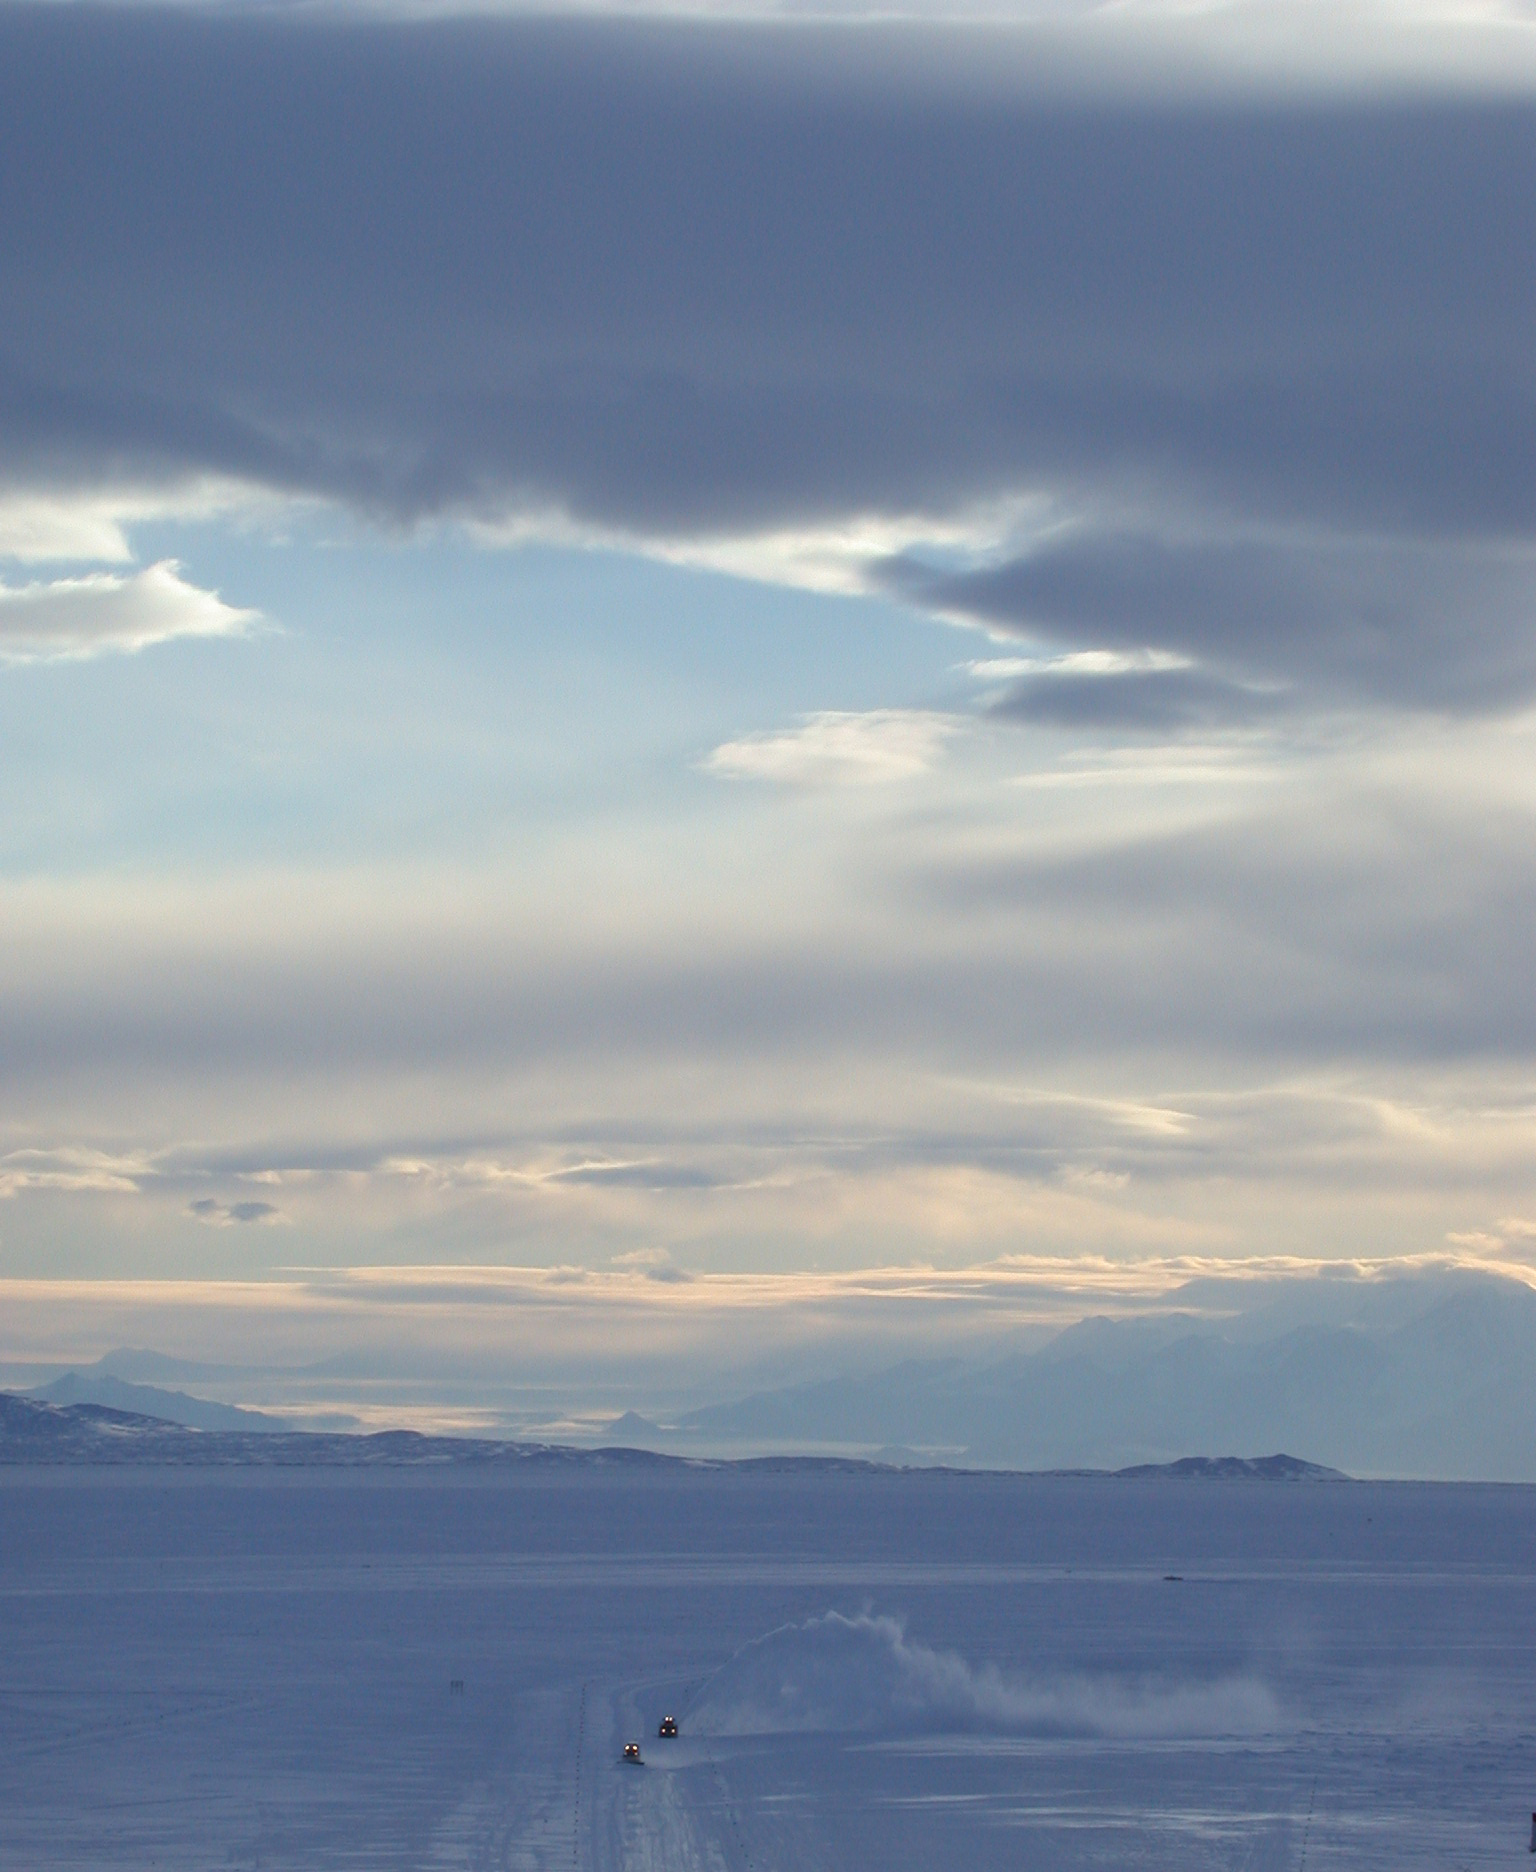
(640, 1819)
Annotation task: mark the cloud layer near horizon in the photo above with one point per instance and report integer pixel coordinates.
(560, 1350)
(1297, 1016)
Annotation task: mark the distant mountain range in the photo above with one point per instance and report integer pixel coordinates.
(1428, 1375)
(1419, 1378)
(137, 1381)
(102, 1388)
(36, 1433)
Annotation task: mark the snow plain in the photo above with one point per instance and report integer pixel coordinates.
(253, 1669)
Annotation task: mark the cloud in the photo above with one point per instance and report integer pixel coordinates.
(91, 522)
(1235, 628)
(643, 1173)
(1160, 701)
(72, 1170)
(864, 1674)
(592, 1327)
(550, 1174)
(793, 283)
(39, 525)
(1231, 1015)
(875, 748)
(75, 618)
(655, 1263)
(225, 1215)
(1295, 931)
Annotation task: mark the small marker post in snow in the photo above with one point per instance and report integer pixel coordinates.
(1533, 1832)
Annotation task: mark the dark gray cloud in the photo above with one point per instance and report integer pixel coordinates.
(208, 1209)
(1156, 700)
(1421, 624)
(682, 279)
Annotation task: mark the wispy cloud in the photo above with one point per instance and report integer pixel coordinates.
(549, 1173)
(655, 1263)
(102, 612)
(875, 748)
(73, 1171)
(590, 1327)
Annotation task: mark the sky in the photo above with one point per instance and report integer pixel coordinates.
(757, 667)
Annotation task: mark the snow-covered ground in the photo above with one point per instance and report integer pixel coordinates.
(254, 1668)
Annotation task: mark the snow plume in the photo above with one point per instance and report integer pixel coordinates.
(864, 1673)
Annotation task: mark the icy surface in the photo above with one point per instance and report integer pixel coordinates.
(255, 1668)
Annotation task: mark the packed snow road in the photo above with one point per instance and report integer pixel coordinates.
(408, 1670)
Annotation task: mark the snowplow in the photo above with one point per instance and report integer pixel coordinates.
(668, 1728)
(632, 1754)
